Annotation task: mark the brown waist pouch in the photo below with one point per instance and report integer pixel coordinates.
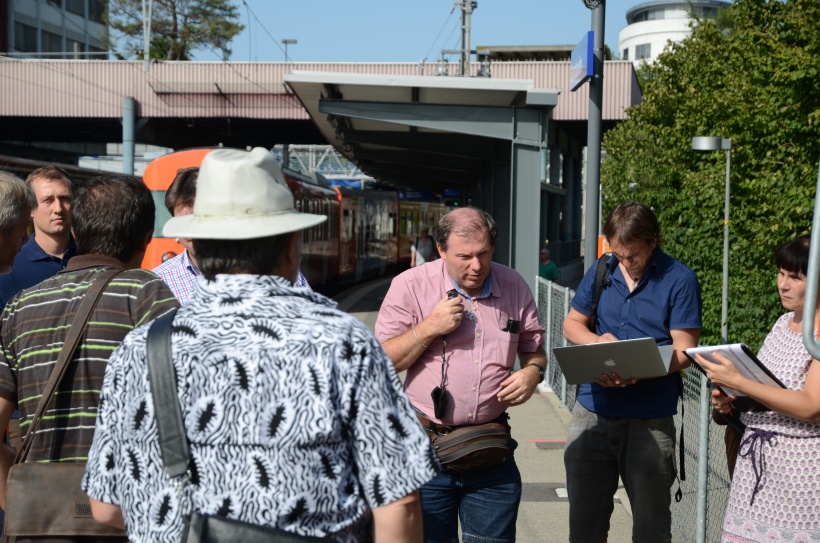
(461, 449)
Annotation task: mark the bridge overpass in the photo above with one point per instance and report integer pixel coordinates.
(190, 104)
(511, 144)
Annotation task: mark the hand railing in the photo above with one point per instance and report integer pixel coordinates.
(810, 304)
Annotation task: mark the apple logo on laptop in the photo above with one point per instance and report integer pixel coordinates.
(609, 362)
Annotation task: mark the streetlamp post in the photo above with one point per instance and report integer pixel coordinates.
(594, 133)
(286, 43)
(718, 144)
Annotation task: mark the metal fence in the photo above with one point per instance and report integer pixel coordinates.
(698, 517)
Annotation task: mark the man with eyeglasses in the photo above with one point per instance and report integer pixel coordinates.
(623, 428)
(456, 325)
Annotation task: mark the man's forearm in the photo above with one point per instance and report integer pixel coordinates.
(405, 349)
(399, 522)
(577, 333)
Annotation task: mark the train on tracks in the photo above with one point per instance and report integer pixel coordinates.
(368, 232)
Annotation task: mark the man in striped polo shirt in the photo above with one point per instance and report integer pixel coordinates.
(113, 222)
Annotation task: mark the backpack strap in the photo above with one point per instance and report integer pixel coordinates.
(681, 447)
(601, 274)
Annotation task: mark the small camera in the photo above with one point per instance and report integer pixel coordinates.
(453, 293)
(439, 395)
(513, 326)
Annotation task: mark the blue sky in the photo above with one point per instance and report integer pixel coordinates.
(408, 30)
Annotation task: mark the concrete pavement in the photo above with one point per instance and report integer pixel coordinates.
(540, 427)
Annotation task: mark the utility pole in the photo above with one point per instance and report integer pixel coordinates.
(286, 43)
(147, 6)
(467, 7)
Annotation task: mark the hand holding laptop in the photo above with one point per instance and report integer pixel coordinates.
(614, 363)
(609, 380)
(612, 379)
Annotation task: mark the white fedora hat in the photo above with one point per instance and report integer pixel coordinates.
(240, 195)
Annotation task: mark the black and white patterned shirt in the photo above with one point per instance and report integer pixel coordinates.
(295, 416)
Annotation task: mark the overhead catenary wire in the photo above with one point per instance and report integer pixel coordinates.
(57, 67)
(260, 23)
(435, 41)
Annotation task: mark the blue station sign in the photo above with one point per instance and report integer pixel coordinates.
(582, 61)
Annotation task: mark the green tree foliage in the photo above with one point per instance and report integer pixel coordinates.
(752, 77)
(177, 27)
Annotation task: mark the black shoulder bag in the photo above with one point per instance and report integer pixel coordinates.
(176, 458)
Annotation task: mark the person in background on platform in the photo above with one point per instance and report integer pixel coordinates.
(181, 272)
(774, 494)
(491, 319)
(294, 414)
(51, 246)
(423, 248)
(623, 427)
(113, 221)
(547, 268)
(16, 202)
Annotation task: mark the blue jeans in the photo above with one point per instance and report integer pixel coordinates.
(485, 501)
(641, 452)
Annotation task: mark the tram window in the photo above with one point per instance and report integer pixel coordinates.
(162, 214)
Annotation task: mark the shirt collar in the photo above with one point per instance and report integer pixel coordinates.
(247, 285)
(187, 264)
(82, 262)
(486, 289)
(653, 266)
(34, 252)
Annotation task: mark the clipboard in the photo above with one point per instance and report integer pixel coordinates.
(747, 363)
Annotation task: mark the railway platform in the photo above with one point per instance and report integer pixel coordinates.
(540, 427)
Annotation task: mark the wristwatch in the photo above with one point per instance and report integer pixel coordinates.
(541, 370)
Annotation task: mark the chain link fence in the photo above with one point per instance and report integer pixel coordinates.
(698, 517)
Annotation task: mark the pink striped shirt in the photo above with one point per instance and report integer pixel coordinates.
(480, 355)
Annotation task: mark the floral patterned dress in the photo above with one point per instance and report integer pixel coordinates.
(775, 493)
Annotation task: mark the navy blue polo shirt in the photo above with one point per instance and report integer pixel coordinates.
(32, 265)
(667, 298)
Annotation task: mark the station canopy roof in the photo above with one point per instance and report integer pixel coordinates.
(424, 132)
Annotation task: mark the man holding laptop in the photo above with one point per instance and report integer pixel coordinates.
(623, 427)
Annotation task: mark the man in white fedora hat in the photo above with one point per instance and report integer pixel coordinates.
(181, 272)
(295, 416)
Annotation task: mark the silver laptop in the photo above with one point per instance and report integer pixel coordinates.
(639, 358)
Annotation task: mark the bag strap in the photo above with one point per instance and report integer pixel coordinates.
(601, 274)
(681, 447)
(78, 326)
(162, 377)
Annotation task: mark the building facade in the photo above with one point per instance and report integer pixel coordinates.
(651, 25)
(53, 29)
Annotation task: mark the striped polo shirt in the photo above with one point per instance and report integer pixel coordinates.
(35, 324)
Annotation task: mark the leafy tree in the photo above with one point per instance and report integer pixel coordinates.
(752, 77)
(177, 27)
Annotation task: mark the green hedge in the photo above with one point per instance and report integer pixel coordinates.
(753, 75)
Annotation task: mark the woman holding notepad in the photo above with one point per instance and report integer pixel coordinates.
(775, 494)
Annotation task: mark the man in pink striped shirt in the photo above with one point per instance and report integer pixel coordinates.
(465, 343)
